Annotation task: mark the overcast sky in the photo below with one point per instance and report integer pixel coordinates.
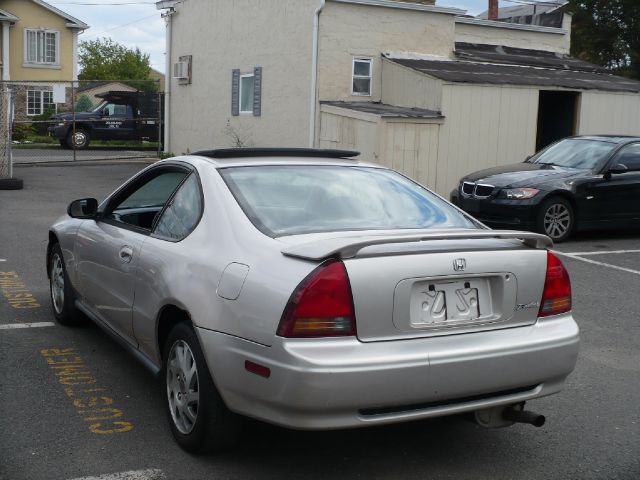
(137, 23)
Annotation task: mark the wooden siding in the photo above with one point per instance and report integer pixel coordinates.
(411, 148)
(342, 132)
(485, 126)
(408, 88)
(609, 113)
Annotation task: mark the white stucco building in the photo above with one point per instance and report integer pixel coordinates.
(423, 88)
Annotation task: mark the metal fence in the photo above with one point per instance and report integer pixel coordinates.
(53, 121)
(6, 167)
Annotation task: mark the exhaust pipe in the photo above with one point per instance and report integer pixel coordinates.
(512, 414)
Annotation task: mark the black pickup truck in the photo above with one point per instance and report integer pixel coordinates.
(120, 116)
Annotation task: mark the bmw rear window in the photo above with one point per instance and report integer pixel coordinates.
(297, 199)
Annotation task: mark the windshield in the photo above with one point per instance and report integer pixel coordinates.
(291, 200)
(575, 153)
(100, 106)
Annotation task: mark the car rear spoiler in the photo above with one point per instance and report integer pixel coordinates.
(348, 247)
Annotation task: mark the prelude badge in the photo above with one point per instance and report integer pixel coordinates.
(459, 264)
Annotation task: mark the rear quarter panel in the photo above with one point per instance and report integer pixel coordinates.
(187, 274)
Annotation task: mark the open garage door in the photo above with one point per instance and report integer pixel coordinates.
(557, 114)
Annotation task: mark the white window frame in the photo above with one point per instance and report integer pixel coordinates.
(36, 63)
(369, 77)
(245, 112)
(41, 91)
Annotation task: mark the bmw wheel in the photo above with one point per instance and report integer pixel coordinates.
(556, 219)
(61, 292)
(199, 419)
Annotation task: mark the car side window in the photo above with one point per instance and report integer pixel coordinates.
(629, 156)
(140, 207)
(183, 212)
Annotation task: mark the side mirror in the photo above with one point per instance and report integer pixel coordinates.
(83, 208)
(618, 168)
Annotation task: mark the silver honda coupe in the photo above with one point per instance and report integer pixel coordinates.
(313, 291)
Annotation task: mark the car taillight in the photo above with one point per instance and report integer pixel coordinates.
(556, 296)
(321, 306)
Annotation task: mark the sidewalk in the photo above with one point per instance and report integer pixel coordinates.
(35, 156)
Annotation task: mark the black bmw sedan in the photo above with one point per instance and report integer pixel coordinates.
(584, 182)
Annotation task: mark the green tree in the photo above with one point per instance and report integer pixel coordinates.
(84, 104)
(104, 59)
(607, 32)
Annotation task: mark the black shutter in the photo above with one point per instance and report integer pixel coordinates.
(257, 91)
(235, 93)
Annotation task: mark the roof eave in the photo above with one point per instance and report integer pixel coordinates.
(406, 6)
(511, 26)
(6, 16)
(72, 22)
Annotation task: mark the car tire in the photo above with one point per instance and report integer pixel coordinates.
(199, 419)
(556, 219)
(79, 139)
(61, 291)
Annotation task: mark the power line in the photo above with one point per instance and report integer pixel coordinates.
(124, 25)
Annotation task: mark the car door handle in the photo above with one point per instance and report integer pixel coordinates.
(126, 254)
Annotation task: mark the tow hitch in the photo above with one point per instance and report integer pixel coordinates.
(497, 417)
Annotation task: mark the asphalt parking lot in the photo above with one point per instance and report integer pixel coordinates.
(49, 431)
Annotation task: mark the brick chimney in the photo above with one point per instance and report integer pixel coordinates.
(493, 10)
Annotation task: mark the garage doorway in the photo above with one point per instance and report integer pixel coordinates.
(557, 114)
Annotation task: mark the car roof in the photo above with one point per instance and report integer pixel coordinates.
(619, 139)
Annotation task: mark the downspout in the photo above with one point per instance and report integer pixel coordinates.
(314, 74)
(167, 83)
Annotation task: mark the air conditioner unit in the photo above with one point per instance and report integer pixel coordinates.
(181, 70)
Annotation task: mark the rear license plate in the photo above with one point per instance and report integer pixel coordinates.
(445, 303)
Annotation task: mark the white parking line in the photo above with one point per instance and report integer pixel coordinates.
(12, 326)
(602, 264)
(602, 252)
(151, 474)
(2, 260)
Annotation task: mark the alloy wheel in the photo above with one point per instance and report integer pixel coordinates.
(57, 283)
(557, 220)
(183, 390)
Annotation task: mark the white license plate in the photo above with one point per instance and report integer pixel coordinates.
(442, 303)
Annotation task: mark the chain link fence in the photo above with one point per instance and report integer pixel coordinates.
(52, 121)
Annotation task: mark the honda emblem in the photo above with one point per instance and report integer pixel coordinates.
(459, 264)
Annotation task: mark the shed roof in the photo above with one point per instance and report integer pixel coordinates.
(536, 8)
(491, 64)
(385, 110)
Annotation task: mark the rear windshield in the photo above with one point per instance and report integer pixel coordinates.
(291, 200)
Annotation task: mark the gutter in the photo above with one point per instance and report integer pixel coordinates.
(314, 74)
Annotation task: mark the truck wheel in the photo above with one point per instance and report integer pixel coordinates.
(79, 140)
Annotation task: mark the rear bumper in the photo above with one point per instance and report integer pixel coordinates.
(339, 383)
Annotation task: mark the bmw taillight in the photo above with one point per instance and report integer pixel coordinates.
(556, 297)
(321, 306)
